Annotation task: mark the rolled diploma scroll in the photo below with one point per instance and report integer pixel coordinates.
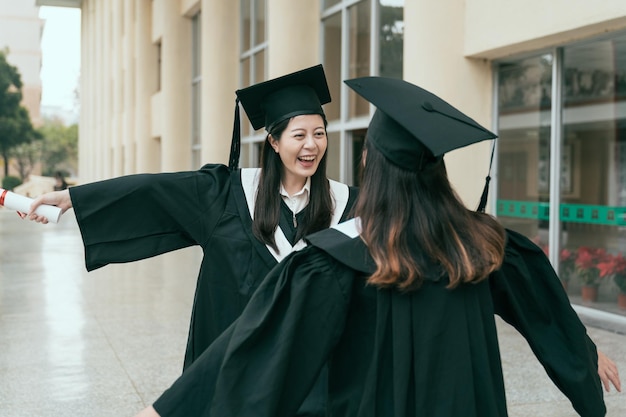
(22, 203)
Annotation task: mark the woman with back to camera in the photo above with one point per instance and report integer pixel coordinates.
(400, 300)
(245, 220)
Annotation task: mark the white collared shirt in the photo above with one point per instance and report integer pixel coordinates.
(299, 200)
(250, 183)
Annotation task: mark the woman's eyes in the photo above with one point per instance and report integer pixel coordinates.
(316, 134)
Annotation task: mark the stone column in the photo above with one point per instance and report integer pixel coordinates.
(147, 148)
(220, 69)
(176, 88)
(293, 34)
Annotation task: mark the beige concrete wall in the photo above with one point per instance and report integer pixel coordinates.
(176, 89)
(439, 66)
(220, 77)
(293, 34)
(495, 29)
(129, 124)
(190, 7)
(148, 157)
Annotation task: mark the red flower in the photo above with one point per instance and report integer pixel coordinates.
(584, 258)
(588, 261)
(567, 255)
(612, 265)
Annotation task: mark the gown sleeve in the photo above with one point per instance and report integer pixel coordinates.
(134, 217)
(528, 295)
(267, 361)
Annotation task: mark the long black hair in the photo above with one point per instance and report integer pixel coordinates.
(318, 213)
(413, 220)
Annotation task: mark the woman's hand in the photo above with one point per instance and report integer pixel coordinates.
(148, 412)
(608, 373)
(61, 199)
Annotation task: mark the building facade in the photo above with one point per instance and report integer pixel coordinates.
(159, 79)
(20, 32)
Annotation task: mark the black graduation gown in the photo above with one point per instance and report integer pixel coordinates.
(432, 352)
(139, 216)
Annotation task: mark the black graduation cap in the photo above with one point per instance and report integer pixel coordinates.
(412, 126)
(273, 101)
(410, 122)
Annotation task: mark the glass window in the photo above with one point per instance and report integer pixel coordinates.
(593, 167)
(358, 140)
(252, 68)
(260, 22)
(524, 145)
(329, 3)
(250, 154)
(246, 25)
(391, 39)
(590, 183)
(353, 48)
(359, 31)
(333, 156)
(332, 64)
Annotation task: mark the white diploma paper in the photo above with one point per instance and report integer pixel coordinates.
(22, 204)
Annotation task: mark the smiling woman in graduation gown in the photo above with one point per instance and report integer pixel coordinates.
(139, 216)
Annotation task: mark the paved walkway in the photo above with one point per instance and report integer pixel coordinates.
(106, 343)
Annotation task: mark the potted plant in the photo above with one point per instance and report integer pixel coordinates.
(586, 266)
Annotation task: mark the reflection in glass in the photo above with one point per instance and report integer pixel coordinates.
(593, 183)
(391, 38)
(524, 145)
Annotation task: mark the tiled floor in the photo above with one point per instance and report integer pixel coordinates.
(106, 343)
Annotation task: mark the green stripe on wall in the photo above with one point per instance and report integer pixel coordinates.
(574, 213)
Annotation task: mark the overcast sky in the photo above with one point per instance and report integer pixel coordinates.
(60, 46)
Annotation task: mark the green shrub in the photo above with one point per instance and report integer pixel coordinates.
(9, 182)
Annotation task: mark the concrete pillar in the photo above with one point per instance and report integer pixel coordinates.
(104, 90)
(147, 148)
(86, 113)
(220, 63)
(440, 66)
(116, 88)
(128, 94)
(176, 88)
(292, 25)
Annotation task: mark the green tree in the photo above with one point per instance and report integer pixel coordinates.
(59, 151)
(25, 157)
(15, 125)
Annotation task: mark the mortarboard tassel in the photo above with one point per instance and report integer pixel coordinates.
(483, 198)
(235, 144)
